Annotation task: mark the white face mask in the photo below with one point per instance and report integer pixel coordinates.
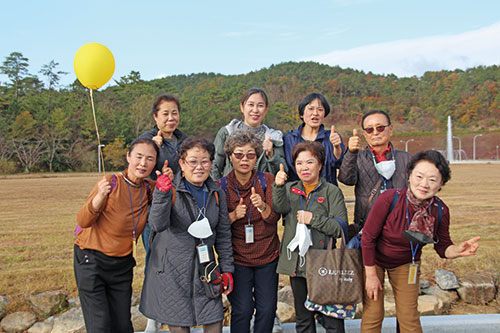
(302, 240)
(200, 229)
(386, 168)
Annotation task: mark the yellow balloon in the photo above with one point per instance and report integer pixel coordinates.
(94, 65)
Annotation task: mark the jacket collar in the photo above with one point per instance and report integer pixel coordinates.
(180, 186)
(298, 132)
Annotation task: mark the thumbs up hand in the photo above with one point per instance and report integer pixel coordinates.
(239, 212)
(281, 176)
(268, 147)
(158, 139)
(335, 137)
(354, 141)
(166, 170)
(257, 200)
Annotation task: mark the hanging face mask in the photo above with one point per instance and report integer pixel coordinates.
(302, 240)
(386, 168)
(200, 229)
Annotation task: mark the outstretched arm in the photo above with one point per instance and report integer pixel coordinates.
(464, 249)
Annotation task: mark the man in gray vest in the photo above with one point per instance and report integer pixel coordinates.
(374, 169)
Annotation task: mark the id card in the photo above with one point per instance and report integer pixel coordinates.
(134, 248)
(249, 233)
(412, 274)
(203, 255)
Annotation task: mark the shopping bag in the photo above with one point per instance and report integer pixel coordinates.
(335, 276)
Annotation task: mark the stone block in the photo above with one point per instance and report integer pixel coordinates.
(18, 321)
(48, 303)
(446, 280)
(477, 288)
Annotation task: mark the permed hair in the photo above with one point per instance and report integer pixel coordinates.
(201, 143)
(239, 139)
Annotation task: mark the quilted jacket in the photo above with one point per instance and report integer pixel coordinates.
(172, 292)
(358, 169)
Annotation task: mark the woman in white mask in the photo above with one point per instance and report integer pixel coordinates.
(191, 222)
(312, 208)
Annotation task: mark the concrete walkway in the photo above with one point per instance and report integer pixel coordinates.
(483, 323)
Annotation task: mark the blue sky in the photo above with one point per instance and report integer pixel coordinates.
(159, 38)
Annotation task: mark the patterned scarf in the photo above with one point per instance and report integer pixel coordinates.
(421, 221)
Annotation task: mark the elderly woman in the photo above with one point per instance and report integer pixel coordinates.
(312, 110)
(254, 234)
(254, 106)
(111, 220)
(317, 204)
(400, 223)
(189, 227)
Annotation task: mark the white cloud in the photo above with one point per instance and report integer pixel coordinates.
(416, 56)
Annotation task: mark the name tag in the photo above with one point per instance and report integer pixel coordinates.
(203, 255)
(412, 274)
(249, 234)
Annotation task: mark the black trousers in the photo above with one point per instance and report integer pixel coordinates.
(304, 318)
(105, 289)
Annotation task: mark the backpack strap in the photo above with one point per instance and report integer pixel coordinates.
(112, 183)
(262, 180)
(223, 183)
(440, 212)
(394, 200)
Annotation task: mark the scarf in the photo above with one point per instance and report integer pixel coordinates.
(421, 221)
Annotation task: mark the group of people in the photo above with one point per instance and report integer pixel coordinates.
(209, 212)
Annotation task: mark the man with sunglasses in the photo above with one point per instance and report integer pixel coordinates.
(374, 169)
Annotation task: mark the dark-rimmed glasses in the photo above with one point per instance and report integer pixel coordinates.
(250, 156)
(379, 129)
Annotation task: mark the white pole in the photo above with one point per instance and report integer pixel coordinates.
(449, 142)
(474, 146)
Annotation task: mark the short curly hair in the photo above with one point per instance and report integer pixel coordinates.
(193, 142)
(434, 157)
(239, 139)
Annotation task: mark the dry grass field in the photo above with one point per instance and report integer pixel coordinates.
(38, 218)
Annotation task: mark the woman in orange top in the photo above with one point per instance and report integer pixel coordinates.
(112, 219)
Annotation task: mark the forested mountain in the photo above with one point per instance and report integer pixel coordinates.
(46, 128)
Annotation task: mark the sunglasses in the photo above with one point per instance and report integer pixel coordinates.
(250, 156)
(379, 129)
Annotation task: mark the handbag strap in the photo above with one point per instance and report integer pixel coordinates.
(372, 195)
(343, 227)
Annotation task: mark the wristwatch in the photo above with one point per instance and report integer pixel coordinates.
(262, 210)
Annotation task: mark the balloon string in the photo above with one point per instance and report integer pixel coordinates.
(97, 131)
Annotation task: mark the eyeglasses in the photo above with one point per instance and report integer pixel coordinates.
(193, 164)
(250, 156)
(379, 129)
